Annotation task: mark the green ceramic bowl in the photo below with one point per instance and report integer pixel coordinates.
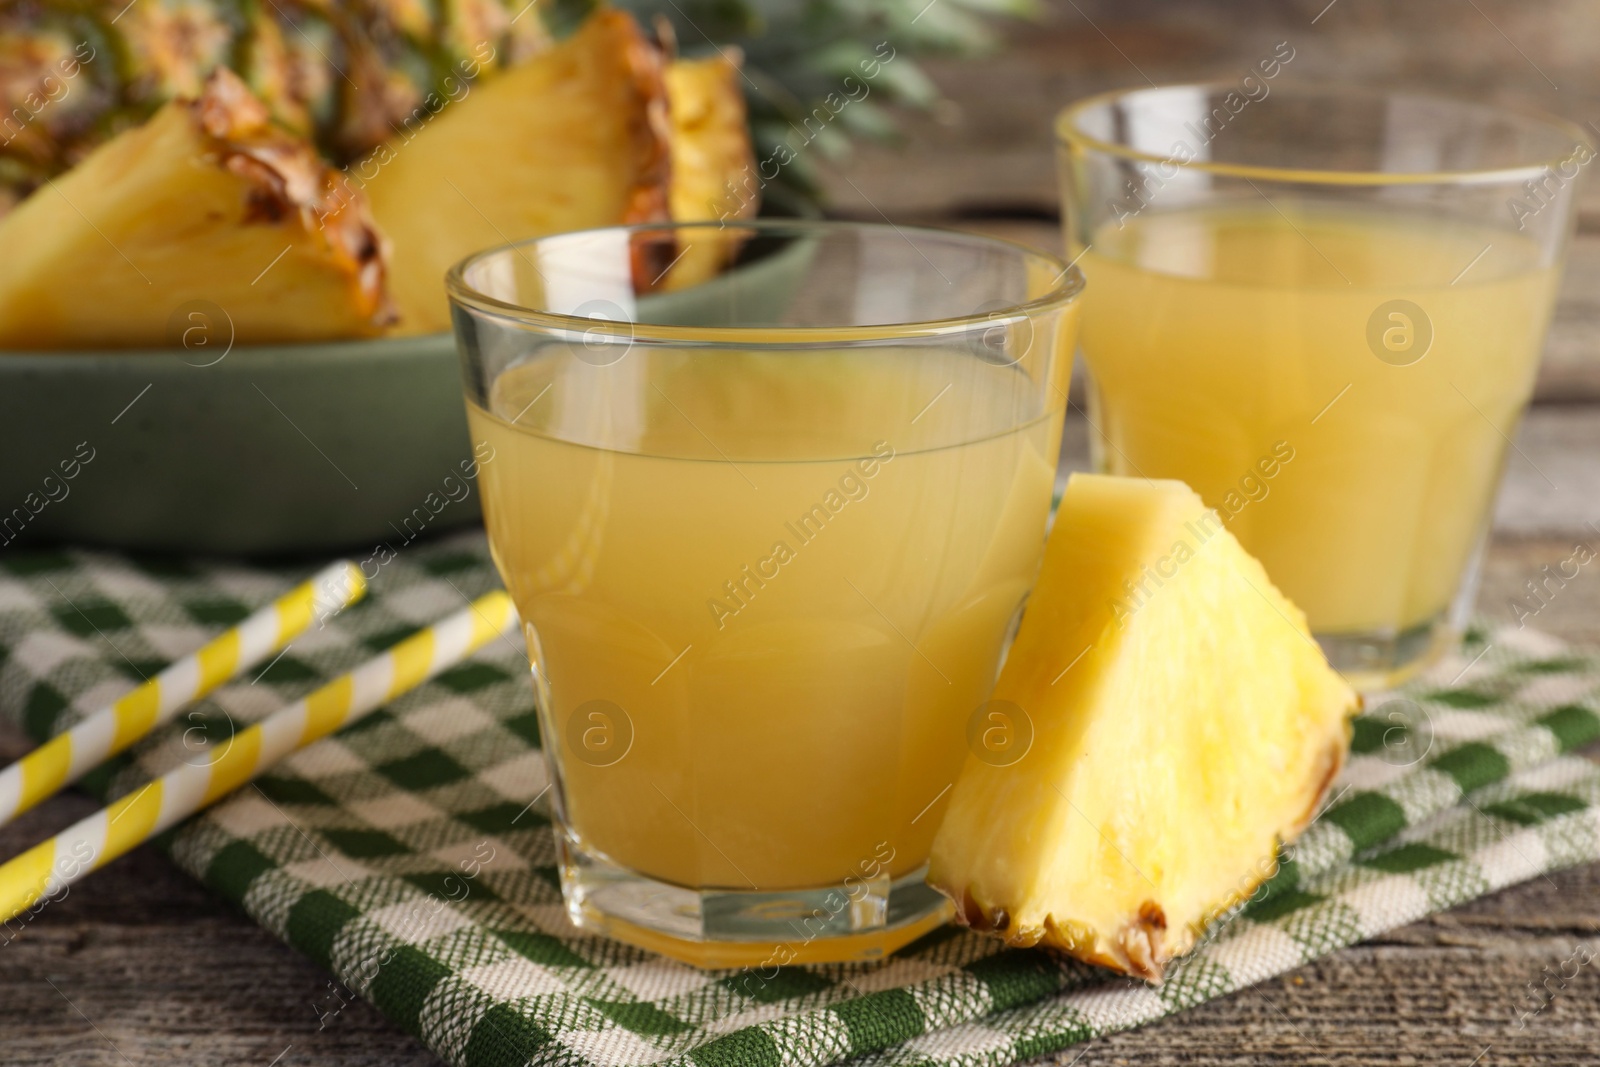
(270, 450)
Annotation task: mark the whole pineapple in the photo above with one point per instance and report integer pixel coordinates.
(349, 73)
(352, 72)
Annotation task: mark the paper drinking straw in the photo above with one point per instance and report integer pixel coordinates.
(97, 840)
(65, 757)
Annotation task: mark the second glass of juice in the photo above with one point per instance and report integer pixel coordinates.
(769, 498)
(1323, 308)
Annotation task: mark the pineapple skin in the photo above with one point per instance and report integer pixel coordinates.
(346, 73)
(577, 137)
(1196, 732)
(207, 202)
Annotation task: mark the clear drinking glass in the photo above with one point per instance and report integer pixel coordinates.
(769, 498)
(1323, 308)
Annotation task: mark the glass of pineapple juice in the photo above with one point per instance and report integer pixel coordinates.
(769, 498)
(1323, 308)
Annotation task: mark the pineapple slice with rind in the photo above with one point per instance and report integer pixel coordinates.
(711, 154)
(1184, 723)
(207, 202)
(575, 138)
(713, 167)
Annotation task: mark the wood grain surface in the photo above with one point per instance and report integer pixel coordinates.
(139, 966)
(986, 156)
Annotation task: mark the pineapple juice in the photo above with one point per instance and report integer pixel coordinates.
(1218, 336)
(763, 596)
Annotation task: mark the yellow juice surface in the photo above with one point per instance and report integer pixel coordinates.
(1230, 348)
(793, 576)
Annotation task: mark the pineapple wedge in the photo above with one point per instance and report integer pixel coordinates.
(1184, 723)
(208, 202)
(713, 167)
(577, 137)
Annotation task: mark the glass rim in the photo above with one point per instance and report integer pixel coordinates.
(1067, 132)
(1068, 284)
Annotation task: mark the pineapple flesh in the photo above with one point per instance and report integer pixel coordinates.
(713, 168)
(207, 202)
(1184, 723)
(711, 156)
(575, 138)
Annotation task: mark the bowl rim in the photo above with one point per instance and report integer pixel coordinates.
(1066, 286)
(1069, 135)
(420, 345)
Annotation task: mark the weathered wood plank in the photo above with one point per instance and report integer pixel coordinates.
(990, 145)
(988, 150)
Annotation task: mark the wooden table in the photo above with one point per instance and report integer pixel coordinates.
(140, 966)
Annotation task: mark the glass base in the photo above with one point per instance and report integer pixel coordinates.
(1382, 659)
(726, 928)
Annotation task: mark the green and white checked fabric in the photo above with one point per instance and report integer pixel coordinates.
(411, 856)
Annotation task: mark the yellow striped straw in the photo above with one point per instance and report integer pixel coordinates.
(130, 821)
(65, 757)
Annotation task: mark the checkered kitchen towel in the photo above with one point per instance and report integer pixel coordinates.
(409, 856)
